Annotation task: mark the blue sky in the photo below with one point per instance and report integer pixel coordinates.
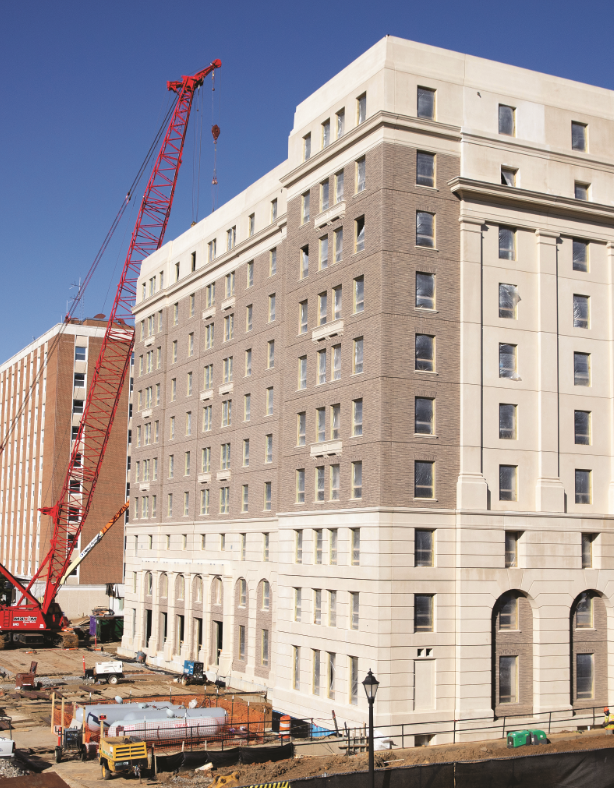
(83, 88)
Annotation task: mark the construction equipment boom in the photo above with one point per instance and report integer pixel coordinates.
(70, 511)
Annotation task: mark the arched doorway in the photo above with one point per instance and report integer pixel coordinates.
(512, 654)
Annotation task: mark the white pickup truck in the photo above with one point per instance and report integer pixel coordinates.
(110, 672)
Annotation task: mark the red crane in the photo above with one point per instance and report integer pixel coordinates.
(70, 511)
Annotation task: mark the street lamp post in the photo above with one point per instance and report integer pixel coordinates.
(371, 684)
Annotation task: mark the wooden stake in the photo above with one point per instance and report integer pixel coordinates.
(52, 709)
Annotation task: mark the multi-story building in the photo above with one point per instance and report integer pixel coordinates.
(374, 401)
(42, 391)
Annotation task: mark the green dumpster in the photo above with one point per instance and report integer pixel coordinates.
(518, 738)
(537, 736)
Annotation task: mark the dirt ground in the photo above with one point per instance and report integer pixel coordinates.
(59, 662)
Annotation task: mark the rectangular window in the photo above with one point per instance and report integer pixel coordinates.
(338, 238)
(357, 356)
(357, 417)
(581, 190)
(424, 415)
(272, 262)
(205, 460)
(354, 610)
(340, 123)
(171, 467)
(296, 667)
(424, 482)
(247, 407)
(507, 120)
(298, 603)
(207, 418)
(186, 464)
(336, 366)
(171, 431)
(423, 612)
(425, 229)
(273, 210)
(211, 246)
(227, 369)
(193, 297)
(426, 103)
(320, 425)
(425, 291)
(507, 422)
(242, 642)
(248, 363)
(250, 274)
(581, 311)
(425, 169)
(301, 425)
(229, 321)
(246, 452)
(337, 302)
(302, 372)
(324, 195)
(224, 500)
(321, 366)
(425, 353)
(270, 362)
(322, 308)
(508, 361)
(587, 550)
(508, 300)
(511, 548)
(298, 547)
(361, 172)
(423, 548)
(302, 317)
(268, 448)
(361, 109)
(210, 295)
(316, 672)
(323, 247)
(585, 676)
(317, 605)
(305, 200)
(357, 479)
(225, 456)
(169, 504)
(226, 413)
(208, 376)
(209, 335)
(508, 614)
(579, 136)
(335, 482)
(353, 681)
(339, 190)
(582, 427)
(251, 224)
(300, 485)
(507, 243)
(266, 542)
(355, 546)
(332, 552)
(186, 504)
(359, 294)
(174, 351)
(320, 483)
(326, 133)
(245, 498)
(335, 422)
(508, 680)
(507, 483)
(264, 653)
(229, 284)
(267, 496)
(306, 147)
(359, 234)
(581, 369)
(583, 487)
(204, 501)
(508, 176)
(231, 238)
(580, 256)
(304, 262)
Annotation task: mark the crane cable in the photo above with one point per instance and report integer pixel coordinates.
(215, 131)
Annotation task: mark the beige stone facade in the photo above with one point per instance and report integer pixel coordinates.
(424, 462)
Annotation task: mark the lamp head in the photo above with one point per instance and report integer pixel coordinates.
(370, 684)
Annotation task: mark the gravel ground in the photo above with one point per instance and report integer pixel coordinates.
(9, 767)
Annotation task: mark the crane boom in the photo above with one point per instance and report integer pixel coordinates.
(72, 507)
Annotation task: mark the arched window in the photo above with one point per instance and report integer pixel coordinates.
(180, 587)
(266, 595)
(216, 591)
(512, 661)
(164, 585)
(148, 583)
(242, 593)
(198, 589)
(588, 638)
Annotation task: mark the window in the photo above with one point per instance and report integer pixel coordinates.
(324, 195)
(340, 123)
(222, 542)
(424, 482)
(507, 243)
(322, 308)
(507, 120)
(585, 669)
(508, 679)
(210, 295)
(335, 482)
(300, 485)
(80, 353)
(335, 422)
(580, 256)
(359, 294)
(355, 546)
(229, 321)
(171, 467)
(507, 483)
(357, 479)
(508, 176)
(359, 234)
(268, 448)
(193, 297)
(320, 483)
(507, 361)
(361, 109)
(320, 425)
(242, 642)
(269, 401)
(423, 548)
(338, 238)
(425, 169)
(584, 611)
(424, 415)
(581, 190)
(225, 456)
(250, 274)
(186, 464)
(251, 224)
(354, 610)
(587, 550)
(207, 418)
(425, 353)
(205, 460)
(174, 351)
(171, 431)
(306, 147)
(169, 505)
(336, 366)
(274, 209)
(321, 366)
(361, 169)
(508, 613)
(243, 546)
(582, 427)
(302, 372)
(507, 422)
(231, 238)
(272, 262)
(301, 419)
(511, 548)
(583, 487)
(227, 369)
(423, 612)
(186, 504)
(229, 284)
(175, 314)
(508, 299)
(246, 452)
(425, 291)
(304, 262)
(298, 547)
(247, 407)
(204, 501)
(578, 136)
(224, 500)
(296, 667)
(357, 417)
(302, 317)
(332, 553)
(208, 376)
(305, 200)
(326, 133)
(298, 603)
(426, 103)
(267, 496)
(339, 190)
(581, 311)
(357, 356)
(266, 588)
(353, 681)
(226, 413)
(425, 229)
(209, 334)
(248, 363)
(270, 354)
(581, 369)
(211, 246)
(323, 257)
